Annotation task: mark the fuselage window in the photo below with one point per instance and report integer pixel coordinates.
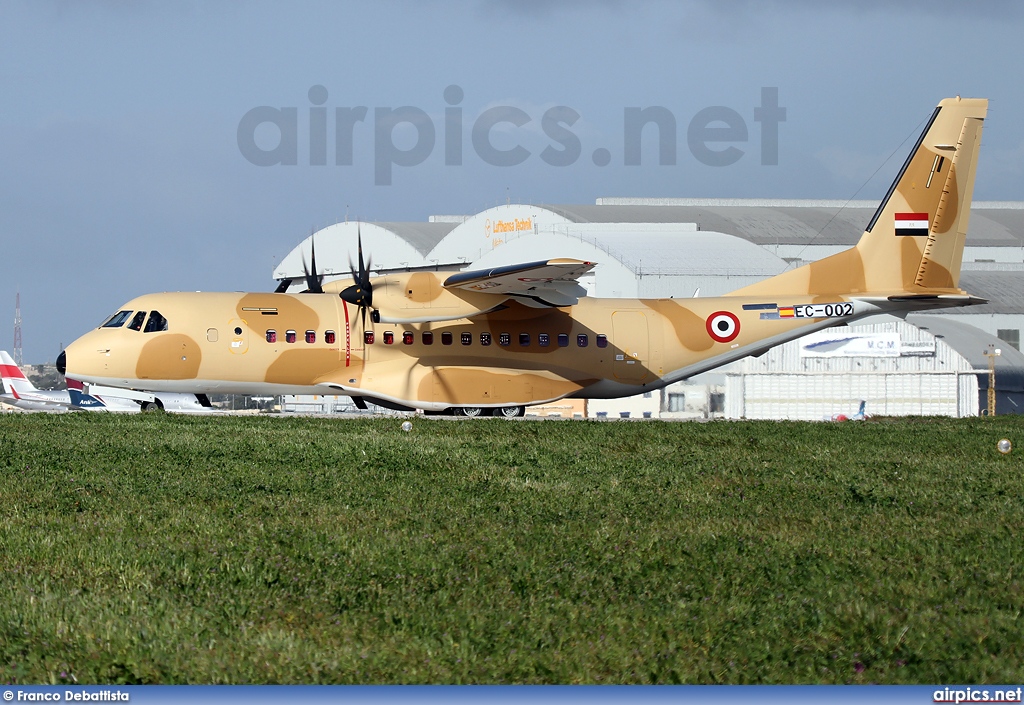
(563, 340)
(389, 338)
(310, 336)
(407, 338)
(602, 340)
(581, 340)
(524, 339)
(428, 337)
(368, 337)
(543, 340)
(446, 339)
(467, 338)
(289, 336)
(117, 320)
(136, 323)
(329, 337)
(485, 338)
(271, 336)
(504, 339)
(156, 323)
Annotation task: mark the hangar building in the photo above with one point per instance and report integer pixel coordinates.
(709, 247)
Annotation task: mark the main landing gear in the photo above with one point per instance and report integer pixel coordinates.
(505, 412)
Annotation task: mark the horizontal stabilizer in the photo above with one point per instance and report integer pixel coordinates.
(945, 300)
(921, 302)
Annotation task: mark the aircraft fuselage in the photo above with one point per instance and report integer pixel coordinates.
(263, 343)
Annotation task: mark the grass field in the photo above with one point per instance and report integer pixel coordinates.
(174, 549)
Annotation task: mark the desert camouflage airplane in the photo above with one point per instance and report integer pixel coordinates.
(495, 341)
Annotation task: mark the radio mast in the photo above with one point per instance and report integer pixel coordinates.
(17, 329)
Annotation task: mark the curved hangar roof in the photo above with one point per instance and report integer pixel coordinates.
(390, 245)
(790, 222)
(645, 248)
(655, 237)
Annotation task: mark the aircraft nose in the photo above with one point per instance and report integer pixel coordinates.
(62, 362)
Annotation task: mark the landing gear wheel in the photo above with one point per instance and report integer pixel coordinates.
(151, 406)
(470, 411)
(509, 412)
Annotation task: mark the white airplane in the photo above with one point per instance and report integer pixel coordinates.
(858, 416)
(19, 392)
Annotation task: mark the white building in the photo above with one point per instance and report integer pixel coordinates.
(896, 368)
(682, 247)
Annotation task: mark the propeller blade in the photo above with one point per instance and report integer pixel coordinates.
(360, 293)
(364, 269)
(359, 246)
(314, 281)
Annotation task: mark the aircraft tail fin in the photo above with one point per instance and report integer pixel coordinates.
(81, 400)
(915, 241)
(14, 380)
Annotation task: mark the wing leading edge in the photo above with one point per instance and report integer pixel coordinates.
(553, 282)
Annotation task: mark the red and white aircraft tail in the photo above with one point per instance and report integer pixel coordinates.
(20, 392)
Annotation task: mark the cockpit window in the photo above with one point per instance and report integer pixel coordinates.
(117, 320)
(156, 323)
(137, 320)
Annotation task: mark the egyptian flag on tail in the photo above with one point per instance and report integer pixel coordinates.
(911, 223)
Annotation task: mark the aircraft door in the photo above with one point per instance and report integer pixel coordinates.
(632, 347)
(238, 336)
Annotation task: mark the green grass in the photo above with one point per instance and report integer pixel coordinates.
(176, 549)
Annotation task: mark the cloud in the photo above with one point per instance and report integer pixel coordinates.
(739, 10)
(929, 7)
(851, 167)
(545, 8)
(1006, 162)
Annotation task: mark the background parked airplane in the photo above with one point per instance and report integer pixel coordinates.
(858, 416)
(19, 392)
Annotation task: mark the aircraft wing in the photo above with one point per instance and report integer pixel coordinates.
(552, 282)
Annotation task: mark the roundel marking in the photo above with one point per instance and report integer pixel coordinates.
(723, 326)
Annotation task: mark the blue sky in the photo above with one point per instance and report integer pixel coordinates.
(119, 121)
